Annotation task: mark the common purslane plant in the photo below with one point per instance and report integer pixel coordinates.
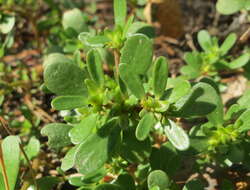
(214, 57)
(116, 117)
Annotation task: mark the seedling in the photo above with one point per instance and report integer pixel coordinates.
(214, 57)
(113, 116)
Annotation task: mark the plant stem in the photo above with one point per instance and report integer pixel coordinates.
(8, 130)
(117, 61)
(5, 177)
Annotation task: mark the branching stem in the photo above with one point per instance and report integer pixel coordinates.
(5, 177)
(117, 61)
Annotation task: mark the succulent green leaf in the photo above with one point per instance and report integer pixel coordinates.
(93, 41)
(158, 178)
(235, 154)
(131, 80)
(7, 23)
(139, 150)
(233, 112)
(74, 19)
(69, 102)
(228, 43)
(194, 184)
(125, 181)
(63, 77)
(94, 64)
(56, 57)
(69, 159)
(11, 156)
(176, 89)
(81, 131)
(244, 121)
(160, 76)
(240, 61)
(127, 26)
(92, 154)
(47, 182)
(190, 72)
(215, 117)
(194, 61)
(211, 81)
(205, 40)
(137, 52)
(144, 126)
(94, 177)
(32, 148)
(245, 99)
(141, 28)
(177, 136)
(57, 134)
(97, 41)
(165, 158)
(228, 7)
(120, 10)
(96, 149)
(199, 144)
(200, 100)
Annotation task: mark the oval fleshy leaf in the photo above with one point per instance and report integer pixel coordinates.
(137, 52)
(139, 150)
(7, 23)
(93, 41)
(216, 116)
(198, 102)
(74, 19)
(69, 159)
(120, 9)
(56, 57)
(68, 102)
(81, 131)
(204, 40)
(141, 28)
(239, 62)
(131, 80)
(160, 76)
(32, 148)
(244, 121)
(63, 77)
(165, 158)
(158, 178)
(228, 43)
(177, 136)
(92, 154)
(194, 185)
(58, 135)
(94, 64)
(228, 7)
(176, 89)
(144, 126)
